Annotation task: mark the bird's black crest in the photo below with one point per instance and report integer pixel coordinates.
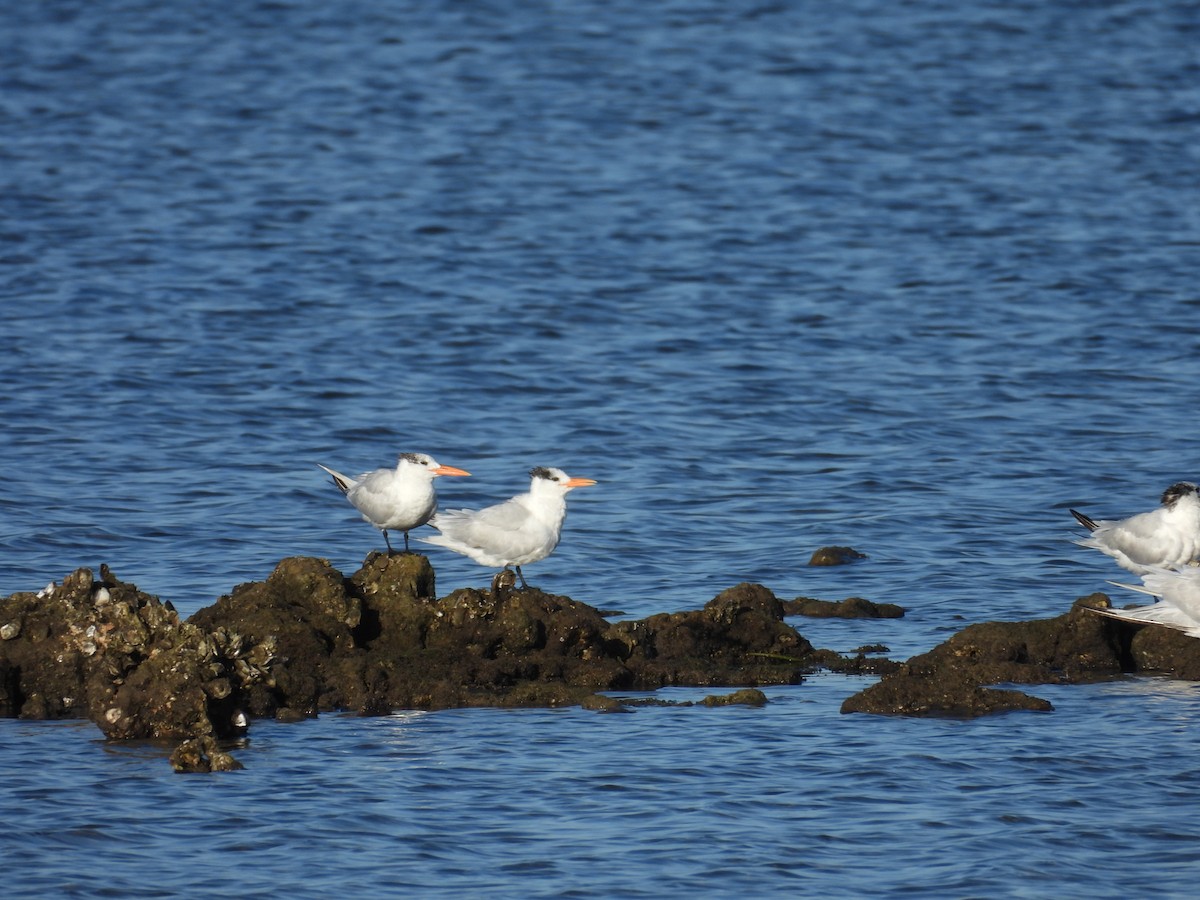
(412, 458)
(541, 472)
(1175, 491)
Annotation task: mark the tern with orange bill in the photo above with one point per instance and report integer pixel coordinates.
(398, 499)
(516, 532)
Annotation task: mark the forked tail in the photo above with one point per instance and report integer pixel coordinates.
(342, 483)
(1089, 524)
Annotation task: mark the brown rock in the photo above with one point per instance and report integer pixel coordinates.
(299, 618)
(202, 755)
(850, 608)
(738, 638)
(1155, 649)
(835, 556)
(101, 648)
(744, 697)
(939, 695)
(1074, 647)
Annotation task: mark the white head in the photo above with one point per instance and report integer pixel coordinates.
(1179, 491)
(426, 465)
(548, 480)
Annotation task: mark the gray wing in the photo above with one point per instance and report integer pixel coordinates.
(484, 525)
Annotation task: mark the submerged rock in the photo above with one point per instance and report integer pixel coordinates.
(850, 608)
(835, 556)
(954, 694)
(744, 697)
(202, 754)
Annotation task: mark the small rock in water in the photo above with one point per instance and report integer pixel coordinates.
(835, 556)
(850, 608)
(744, 697)
(603, 703)
(202, 755)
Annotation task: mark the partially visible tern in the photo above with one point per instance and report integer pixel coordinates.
(397, 499)
(1180, 607)
(1167, 537)
(516, 532)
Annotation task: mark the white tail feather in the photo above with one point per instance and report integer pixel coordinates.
(341, 481)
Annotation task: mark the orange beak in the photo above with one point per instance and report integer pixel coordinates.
(580, 482)
(449, 470)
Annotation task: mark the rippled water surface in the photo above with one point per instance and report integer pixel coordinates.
(913, 278)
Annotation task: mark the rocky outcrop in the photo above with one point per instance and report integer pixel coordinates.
(380, 641)
(308, 639)
(295, 627)
(1078, 646)
(738, 638)
(102, 649)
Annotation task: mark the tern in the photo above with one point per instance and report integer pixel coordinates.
(1167, 537)
(398, 499)
(516, 532)
(1180, 607)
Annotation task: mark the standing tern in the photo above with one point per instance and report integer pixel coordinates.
(1180, 607)
(516, 532)
(400, 498)
(1167, 537)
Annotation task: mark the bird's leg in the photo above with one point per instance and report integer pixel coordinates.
(524, 583)
(406, 542)
(388, 542)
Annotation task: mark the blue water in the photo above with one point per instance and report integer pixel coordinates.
(913, 278)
